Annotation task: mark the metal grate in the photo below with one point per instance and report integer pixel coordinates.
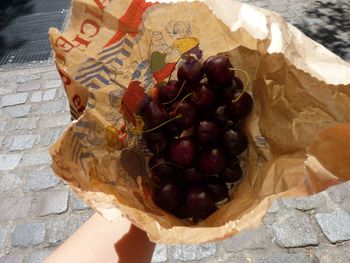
(24, 29)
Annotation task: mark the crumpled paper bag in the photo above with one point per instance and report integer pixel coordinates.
(115, 51)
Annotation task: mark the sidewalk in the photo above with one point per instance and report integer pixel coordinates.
(38, 211)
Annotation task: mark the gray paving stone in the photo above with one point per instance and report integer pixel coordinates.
(64, 226)
(11, 259)
(36, 96)
(29, 86)
(37, 181)
(193, 252)
(9, 161)
(333, 254)
(36, 158)
(14, 99)
(292, 228)
(51, 202)
(2, 126)
(7, 86)
(54, 83)
(275, 257)
(339, 193)
(59, 120)
(50, 136)
(275, 207)
(2, 139)
(229, 258)
(28, 234)
(9, 182)
(51, 75)
(76, 203)
(336, 225)
(257, 238)
(3, 236)
(18, 110)
(49, 94)
(304, 203)
(159, 254)
(38, 256)
(14, 207)
(49, 107)
(23, 142)
(27, 78)
(24, 124)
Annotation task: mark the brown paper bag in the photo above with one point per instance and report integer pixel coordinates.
(114, 52)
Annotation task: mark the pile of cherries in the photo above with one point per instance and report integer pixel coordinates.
(192, 127)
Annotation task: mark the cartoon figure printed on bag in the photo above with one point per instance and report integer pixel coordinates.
(164, 56)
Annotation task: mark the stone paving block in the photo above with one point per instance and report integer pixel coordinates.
(228, 258)
(9, 182)
(333, 254)
(304, 203)
(62, 227)
(7, 86)
(37, 181)
(50, 136)
(275, 257)
(49, 94)
(36, 158)
(14, 207)
(11, 259)
(2, 126)
(3, 236)
(59, 120)
(76, 203)
(275, 207)
(51, 75)
(292, 228)
(29, 86)
(38, 256)
(27, 78)
(193, 252)
(159, 254)
(49, 107)
(336, 225)
(51, 202)
(257, 238)
(18, 110)
(24, 124)
(36, 96)
(54, 83)
(28, 234)
(9, 161)
(23, 142)
(339, 193)
(14, 99)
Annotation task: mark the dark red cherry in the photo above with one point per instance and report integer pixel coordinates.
(193, 176)
(154, 114)
(230, 92)
(188, 112)
(204, 98)
(217, 188)
(222, 117)
(212, 161)
(156, 142)
(232, 172)
(242, 107)
(200, 202)
(235, 142)
(190, 70)
(169, 91)
(168, 196)
(206, 132)
(182, 151)
(162, 169)
(217, 69)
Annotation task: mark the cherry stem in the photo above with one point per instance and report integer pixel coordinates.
(161, 125)
(166, 163)
(183, 99)
(178, 94)
(245, 86)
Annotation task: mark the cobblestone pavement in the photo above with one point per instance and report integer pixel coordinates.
(38, 211)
